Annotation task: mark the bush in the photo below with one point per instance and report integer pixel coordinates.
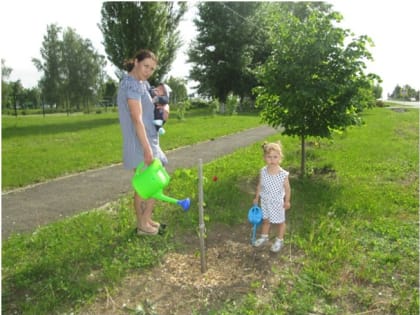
(380, 103)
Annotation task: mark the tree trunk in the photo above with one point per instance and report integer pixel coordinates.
(303, 156)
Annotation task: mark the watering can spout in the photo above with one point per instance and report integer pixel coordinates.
(185, 203)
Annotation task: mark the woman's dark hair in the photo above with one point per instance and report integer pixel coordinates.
(140, 55)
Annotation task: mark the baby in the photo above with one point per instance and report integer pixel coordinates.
(160, 97)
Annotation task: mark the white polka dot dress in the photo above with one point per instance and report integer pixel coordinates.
(272, 195)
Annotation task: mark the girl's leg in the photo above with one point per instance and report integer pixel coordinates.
(278, 244)
(265, 229)
(281, 230)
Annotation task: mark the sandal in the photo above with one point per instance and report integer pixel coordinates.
(143, 232)
(155, 224)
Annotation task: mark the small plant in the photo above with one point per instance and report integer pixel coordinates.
(214, 106)
(181, 108)
(232, 103)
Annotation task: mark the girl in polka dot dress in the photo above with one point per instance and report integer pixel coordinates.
(273, 191)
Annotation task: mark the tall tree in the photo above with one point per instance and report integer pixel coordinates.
(130, 26)
(224, 49)
(50, 64)
(314, 80)
(82, 69)
(17, 94)
(72, 68)
(5, 86)
(179, 90)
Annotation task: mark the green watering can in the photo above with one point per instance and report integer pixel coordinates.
(150, 181)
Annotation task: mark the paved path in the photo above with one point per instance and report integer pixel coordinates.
(25, 209)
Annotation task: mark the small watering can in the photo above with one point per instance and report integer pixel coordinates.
(150, 181)
(255, 217)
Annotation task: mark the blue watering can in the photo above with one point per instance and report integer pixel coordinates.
(255, 217)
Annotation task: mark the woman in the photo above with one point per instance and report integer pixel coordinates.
(140, 138)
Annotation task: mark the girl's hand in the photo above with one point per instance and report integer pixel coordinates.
(255, 201)
(286, 205)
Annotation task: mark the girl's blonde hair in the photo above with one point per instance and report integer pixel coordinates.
(273, 146)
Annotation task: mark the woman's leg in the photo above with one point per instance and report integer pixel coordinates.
(144, 209)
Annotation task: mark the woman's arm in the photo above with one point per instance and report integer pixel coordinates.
(136, 117)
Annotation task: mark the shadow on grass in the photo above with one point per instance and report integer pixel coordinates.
(48, 129)
(312, 198)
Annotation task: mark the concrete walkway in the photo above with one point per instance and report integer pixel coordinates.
(23, 210)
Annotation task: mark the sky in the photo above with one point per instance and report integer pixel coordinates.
(392, 26)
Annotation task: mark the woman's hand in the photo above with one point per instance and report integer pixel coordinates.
(148, 156)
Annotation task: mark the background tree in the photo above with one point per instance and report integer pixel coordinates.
(223, 52)
(109, 92)
(72, 69)
(313, 82)
(179, 90)
(5, 86)
(50, 65)
(17, 95)
(82, 69)
(404, 93)
(130, 26)
(377, 91)
(32, 97)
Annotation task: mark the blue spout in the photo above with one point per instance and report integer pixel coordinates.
(185, 204)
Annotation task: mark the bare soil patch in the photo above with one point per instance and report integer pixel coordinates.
(177, 286)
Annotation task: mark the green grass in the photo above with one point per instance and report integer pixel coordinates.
(35, 149)
(356, 220)
(354, 223)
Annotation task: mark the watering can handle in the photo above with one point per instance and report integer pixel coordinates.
(142, 167)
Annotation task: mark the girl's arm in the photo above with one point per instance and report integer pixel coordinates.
(136, 117)
(287, 193)
(257, 191)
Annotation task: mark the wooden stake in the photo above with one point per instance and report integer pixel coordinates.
(202, 227)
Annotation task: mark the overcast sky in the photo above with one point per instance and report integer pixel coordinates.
(393, 26)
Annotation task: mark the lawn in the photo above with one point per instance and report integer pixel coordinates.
(352, 232)
(37, 148)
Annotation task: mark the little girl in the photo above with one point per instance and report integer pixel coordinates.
(274, 190)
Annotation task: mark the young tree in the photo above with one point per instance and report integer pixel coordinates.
(130, 26)
(314, 80)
